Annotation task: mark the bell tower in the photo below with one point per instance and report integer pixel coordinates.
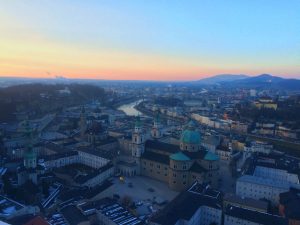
(30, 160)
(138, 139)
(82, 122)
(156, 131)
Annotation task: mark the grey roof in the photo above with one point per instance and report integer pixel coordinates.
(59, 155)
(255, 216)
(250, 202)
(156, 157)
(103, 153)
(161, 146)
(82, 179)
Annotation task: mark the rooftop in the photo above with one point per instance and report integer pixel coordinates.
(162, 146)
(187, 203)
(255, 216)
(267, 182)
(153, 156)
(179, 156)
(211, 156)
(250, 202)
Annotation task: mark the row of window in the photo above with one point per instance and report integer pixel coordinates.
(158, 166)
(158, 172)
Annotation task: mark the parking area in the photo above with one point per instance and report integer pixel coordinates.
(139, 189)
(148, 194)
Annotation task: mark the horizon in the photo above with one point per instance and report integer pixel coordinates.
(149, 41)
(141, 80)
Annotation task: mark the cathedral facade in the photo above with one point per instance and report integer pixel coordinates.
(178, 165)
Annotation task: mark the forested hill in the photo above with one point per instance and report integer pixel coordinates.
(39, 99)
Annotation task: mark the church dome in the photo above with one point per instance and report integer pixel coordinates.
(190, 135)
(211, 156)
(138, 122)
(30, 154)
(179, 156)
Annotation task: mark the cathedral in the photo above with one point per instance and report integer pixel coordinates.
(178, 165)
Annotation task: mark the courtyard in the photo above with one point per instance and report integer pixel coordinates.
(148, 194)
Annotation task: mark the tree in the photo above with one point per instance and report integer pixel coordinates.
(126, 201)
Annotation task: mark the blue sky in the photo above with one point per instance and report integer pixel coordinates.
(149, 39)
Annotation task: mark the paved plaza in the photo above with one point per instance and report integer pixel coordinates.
(139, 189)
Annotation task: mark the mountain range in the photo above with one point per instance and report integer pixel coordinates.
(260, 81)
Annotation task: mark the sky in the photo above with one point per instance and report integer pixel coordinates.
(149, 39)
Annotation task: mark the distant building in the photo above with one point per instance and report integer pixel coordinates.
(265, 102)
(259, 147)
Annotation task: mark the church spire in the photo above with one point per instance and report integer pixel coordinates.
(29, 155)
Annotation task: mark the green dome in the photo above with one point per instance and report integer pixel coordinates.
(211, 156)
(190, 135)
(138, 122)
(157, 118)
(30, 155)
(179, 156)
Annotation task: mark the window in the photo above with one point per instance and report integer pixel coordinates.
(158, 166)
(174, 175)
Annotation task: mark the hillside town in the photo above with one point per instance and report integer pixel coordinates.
(153, 155)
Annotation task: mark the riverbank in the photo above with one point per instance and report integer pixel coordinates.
(149, 113)
(130, 108)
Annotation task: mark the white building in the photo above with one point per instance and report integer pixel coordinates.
(257, 146)
(97, 177)
(276, 174)
(92, 158)
(262, 187)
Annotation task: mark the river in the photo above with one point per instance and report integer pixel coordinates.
(129, 109)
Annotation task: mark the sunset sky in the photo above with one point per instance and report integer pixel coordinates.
(149, 39)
